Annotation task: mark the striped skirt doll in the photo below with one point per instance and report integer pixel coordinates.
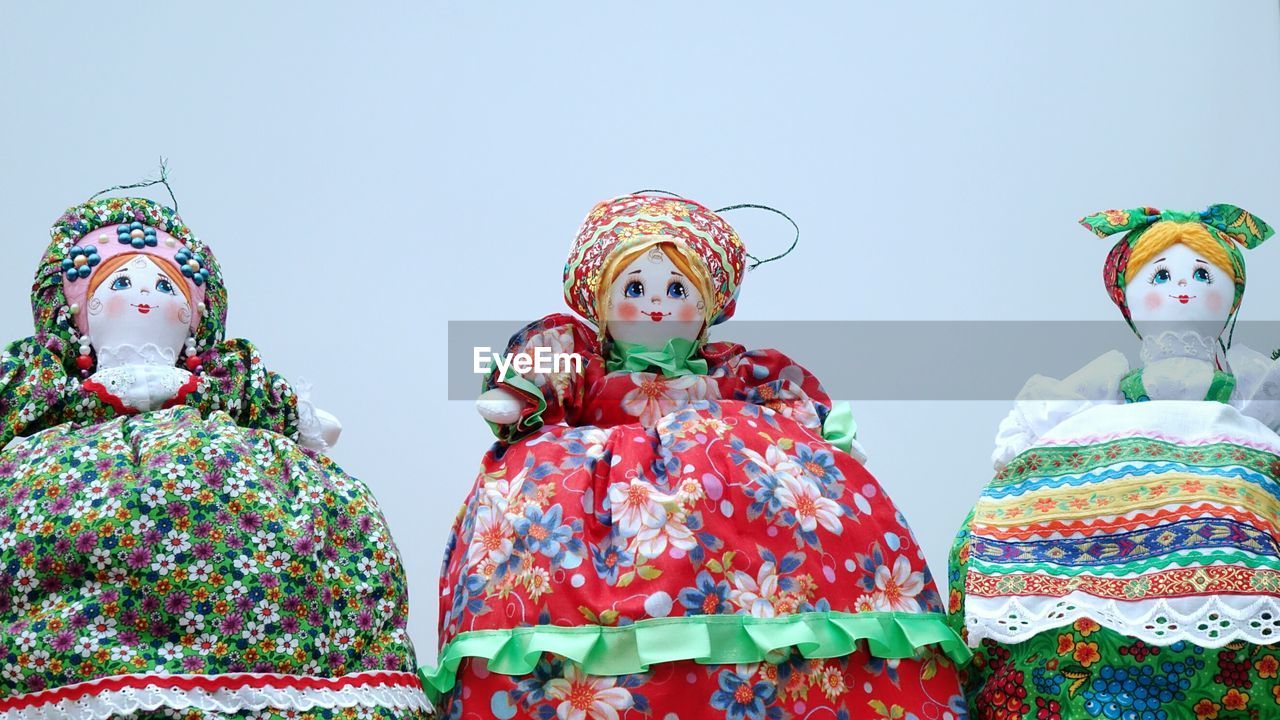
(1124, 561)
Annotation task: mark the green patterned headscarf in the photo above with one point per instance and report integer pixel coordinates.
(1231, 227)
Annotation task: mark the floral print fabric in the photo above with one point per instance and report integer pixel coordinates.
(853, 687)
(684, 496)
(170, 541)
(1086, 671)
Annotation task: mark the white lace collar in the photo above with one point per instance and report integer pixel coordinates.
(1178, 344)
(142, 387)
(127, 354)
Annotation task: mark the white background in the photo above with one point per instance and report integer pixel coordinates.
(366, 172)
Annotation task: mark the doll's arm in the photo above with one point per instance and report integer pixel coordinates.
(1044, 402)
(771, 379)
(841, 430)
(1257, 392)
(541, 382)
(239, 383)
(32, 387)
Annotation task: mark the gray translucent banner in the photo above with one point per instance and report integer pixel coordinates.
(895, 360)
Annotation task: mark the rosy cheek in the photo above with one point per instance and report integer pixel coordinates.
(174, 312)
(627, 310)
(1153, 300)
(687, 313)
(1215, 301)
(115, 306)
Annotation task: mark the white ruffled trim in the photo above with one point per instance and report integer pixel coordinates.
(91, 701)
(1208, 621)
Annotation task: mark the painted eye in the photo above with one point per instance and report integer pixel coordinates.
(676, 290)
(1162, 276)
(121, 283)
(164, 286)
(1201, 274)
(634, 289)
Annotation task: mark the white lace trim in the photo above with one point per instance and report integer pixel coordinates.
(142, 387)
(1208, 621)
(127, 354)
(229, 693)
(1178, 344)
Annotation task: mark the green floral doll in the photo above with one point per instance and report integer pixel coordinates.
(171, 542)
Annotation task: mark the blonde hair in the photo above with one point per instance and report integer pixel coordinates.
(112, 264)
(686, 262)
(1167, 233)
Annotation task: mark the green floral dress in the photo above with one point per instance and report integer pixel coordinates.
(191, 562)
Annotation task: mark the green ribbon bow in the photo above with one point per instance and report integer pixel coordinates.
(1231, 222)
(674, 359)
(1231, 227)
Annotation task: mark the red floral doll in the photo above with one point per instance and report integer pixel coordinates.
(671, 528)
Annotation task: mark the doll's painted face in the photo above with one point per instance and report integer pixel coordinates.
(136, 304)
(1179, 289)
(652, 301)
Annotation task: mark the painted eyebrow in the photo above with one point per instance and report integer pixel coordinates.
(634, 272)
(1159, 259)
(1201, 261)
(673, 272)
(123, 269)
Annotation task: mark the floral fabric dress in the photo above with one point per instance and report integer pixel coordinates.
(683, 547)
(1123, 563)
(183, 552)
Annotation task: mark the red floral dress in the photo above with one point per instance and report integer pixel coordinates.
(650, 546)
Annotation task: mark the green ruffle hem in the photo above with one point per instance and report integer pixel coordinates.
(705, 639)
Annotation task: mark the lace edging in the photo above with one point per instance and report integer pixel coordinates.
(227, 693)
(1211, 621)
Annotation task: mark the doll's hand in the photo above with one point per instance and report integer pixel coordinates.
(858, 452)
(330, 427)
(317, 430)
(499, 406)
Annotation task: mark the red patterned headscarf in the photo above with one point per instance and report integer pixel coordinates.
(623, 223)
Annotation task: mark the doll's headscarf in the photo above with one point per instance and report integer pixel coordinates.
(90, 233)
(1231, 227)
(627, 222)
